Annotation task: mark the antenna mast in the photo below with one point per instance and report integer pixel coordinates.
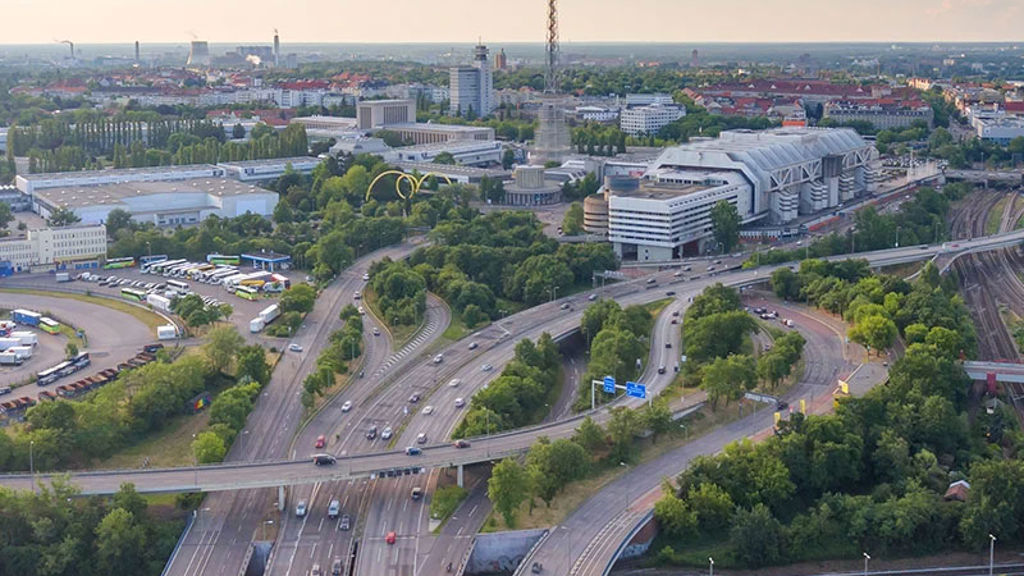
(551, 80)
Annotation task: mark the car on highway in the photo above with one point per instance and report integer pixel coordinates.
(428, 410)
(711, 268)
(592, 297)
(781, 405)
(333, 509)
(668, 344)
(678, 273)
(300, 509)
(356, 295)
(416, 493)
(315, 571)
(366, 276)
(295, 347)
(324, 459)
(390, 538)
(386, 433)
(473, 345)
(321, 441)
(421, 438)
(346, 522)
(454, 383)
(414, 398)
(371, 433)
(461, 444)
(564, 306)
(439, 358)
(346, 406)
(652, 280)
(413, 451)
(459, 402)
(376, 331)
(670, 293)
(361, 310)
(486, 368)
(661, 369)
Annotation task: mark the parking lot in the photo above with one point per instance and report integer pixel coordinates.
(48, 352)
(242, 310)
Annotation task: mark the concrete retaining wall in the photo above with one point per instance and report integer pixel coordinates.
(501, 552)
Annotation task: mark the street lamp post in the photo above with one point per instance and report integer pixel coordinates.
(149, 249)
(32, 463)
(195, 462)
(991, 553)
(711, 566)
(866, 558)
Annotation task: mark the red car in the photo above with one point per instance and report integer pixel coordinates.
(462, 444)
(390, 538)
(320, 441)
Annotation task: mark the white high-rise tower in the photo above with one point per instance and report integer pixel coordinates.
(472, 87)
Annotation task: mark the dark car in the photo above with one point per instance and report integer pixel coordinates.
(417, 493)
(461, 444)
(661, 369)
(324, 459)
(670, 293)
(782, 405)
(414, 398)
(371, 433)
(668, 344)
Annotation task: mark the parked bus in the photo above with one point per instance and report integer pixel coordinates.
(160, 267)
(152, 259)
(81, 360)
(51, 375)
(216, 276)
(49, 325)
(222, 260)
(116, 263)
(193, 273)
(247, 292)
(180, 286)
(133, 294)
(177, 271)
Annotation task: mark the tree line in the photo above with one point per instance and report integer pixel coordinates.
(345, 344)
(870, 477)
(401, 292)
(618, 338)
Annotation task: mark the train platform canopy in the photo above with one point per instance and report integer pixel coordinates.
(269, 260)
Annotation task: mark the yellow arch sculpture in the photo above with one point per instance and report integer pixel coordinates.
(414, 183)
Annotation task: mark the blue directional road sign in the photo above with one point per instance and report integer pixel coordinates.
(609, 385)
(636, 390)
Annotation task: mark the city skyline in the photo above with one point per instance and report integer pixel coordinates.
(773, 21)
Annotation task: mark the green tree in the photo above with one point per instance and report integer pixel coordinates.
(252, 364)
(222, 345)
(238, 132)
(62, 217)
(728, 378)
(120, 543)
(117, 220)
(70, 350)
(675, 517)
(725, 222)
(877, 332)
(6, 217)
(757, 537)
(445, 158)
(623, 427)
(300, 299)
(127, 498)
(208, 448)
(507, 488)
(572, 222)
(589, 435)
(713, 507)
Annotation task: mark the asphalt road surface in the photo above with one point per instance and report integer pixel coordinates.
(113, 336)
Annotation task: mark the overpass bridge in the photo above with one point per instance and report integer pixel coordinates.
(986, 176)
(998, 371)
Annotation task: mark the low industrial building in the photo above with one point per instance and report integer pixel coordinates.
(454, 172)
(268, 169)
(773, 175)
(61, 247)
(465, 152)
(1001, 130)
(168, 203)
(371, 114)
(30, 183)
(428, 133)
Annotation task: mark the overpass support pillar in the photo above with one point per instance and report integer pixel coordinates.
(459, 476)
(280, 499)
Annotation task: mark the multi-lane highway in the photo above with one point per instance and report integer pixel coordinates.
(496, 347)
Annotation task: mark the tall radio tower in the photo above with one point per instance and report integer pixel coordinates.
(551, 71)
(551, 142)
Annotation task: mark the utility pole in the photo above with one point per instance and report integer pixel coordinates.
(866, 558)
(31, 463)
(991, 553)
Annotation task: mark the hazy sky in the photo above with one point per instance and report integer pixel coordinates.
(84, 21)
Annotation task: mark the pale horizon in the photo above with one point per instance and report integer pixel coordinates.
(464, 21)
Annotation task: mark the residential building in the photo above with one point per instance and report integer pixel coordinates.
(648, 99)
(648, 119)
(371, 114)
(55, 246)
(472, 87)
(883, 114)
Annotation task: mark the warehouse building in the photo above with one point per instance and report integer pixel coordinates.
(773, 175)
(168, 203)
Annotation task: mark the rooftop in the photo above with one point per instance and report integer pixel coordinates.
(98, 195)
(271, 161)
(453, 128)
(85, 174)
(424, 167)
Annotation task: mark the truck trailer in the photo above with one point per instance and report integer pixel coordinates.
(26, 317)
